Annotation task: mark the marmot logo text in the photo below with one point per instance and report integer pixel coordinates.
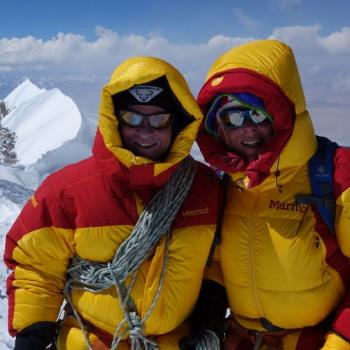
(195, 212)
(288, 206)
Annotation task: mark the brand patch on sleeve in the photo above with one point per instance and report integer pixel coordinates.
(145, 93)
(34, 202)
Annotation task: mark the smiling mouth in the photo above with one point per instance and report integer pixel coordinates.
(252, 143)
(145, 145)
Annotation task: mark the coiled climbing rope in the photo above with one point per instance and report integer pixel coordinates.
(153, 224)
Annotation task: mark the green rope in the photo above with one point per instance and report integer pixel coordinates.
(153, 224)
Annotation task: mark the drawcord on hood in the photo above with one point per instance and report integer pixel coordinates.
(277, 173)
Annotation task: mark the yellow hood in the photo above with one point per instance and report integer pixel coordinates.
(135, 71)
(267, 69)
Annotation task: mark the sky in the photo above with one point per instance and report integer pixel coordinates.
(75, 45)
(179, 21)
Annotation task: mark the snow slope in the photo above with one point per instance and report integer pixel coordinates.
(42, 120)
(50, 134)
(22, 93)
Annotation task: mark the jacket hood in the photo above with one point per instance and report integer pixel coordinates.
(136, 71)
(266, 69)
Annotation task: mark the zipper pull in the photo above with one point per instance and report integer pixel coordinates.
(258, 340)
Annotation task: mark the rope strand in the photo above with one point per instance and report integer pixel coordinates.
(153, 224)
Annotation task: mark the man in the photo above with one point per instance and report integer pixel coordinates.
(123, 236)
(286, 274)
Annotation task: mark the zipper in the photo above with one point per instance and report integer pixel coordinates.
(258, 340)
(251, 267)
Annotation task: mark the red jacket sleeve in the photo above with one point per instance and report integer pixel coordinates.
(37, 250)
(341, 323)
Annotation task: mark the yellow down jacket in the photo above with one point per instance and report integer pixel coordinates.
(280, 263)
(88, 209)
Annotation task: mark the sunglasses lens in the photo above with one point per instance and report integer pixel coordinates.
(160, 121)
(157, 121)
(257, 116)
(232, 118)
(130, 118)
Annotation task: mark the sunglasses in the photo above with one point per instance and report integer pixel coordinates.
(135, 119)
(234, 118)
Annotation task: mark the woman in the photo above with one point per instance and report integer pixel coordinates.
(286, 274)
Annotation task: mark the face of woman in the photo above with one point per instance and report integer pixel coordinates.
(246, 140)
(145, 140)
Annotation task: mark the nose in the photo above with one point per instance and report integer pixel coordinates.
(249, 125)
(145, 126)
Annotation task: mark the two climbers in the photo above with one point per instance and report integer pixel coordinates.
(286, 274)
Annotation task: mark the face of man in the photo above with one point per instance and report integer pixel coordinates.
(246, 140)
(146, 140)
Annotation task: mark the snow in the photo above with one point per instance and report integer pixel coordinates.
(50, 134)
(42, 120)
(22, 93)
(9, 211)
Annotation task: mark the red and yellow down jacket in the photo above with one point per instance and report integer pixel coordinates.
(279, 261)
(89, 208)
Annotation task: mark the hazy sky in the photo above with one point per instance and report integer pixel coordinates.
(75, 45)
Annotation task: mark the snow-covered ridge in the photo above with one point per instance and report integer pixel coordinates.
(21, 93)
(43, 120)
(49, 134)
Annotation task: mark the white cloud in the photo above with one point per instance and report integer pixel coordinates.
(322, 59)
(334, 43)
(74, 53)
(299, 36)
(69, 54)
(338, 42)
(324, 66)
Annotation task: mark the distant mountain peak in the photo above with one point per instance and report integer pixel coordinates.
(23, 92)
(43, 120)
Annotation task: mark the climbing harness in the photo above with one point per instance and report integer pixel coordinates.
(153, 225)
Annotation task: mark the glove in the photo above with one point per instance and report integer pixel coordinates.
(335, 342)
(208, 317)
(37, 336)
